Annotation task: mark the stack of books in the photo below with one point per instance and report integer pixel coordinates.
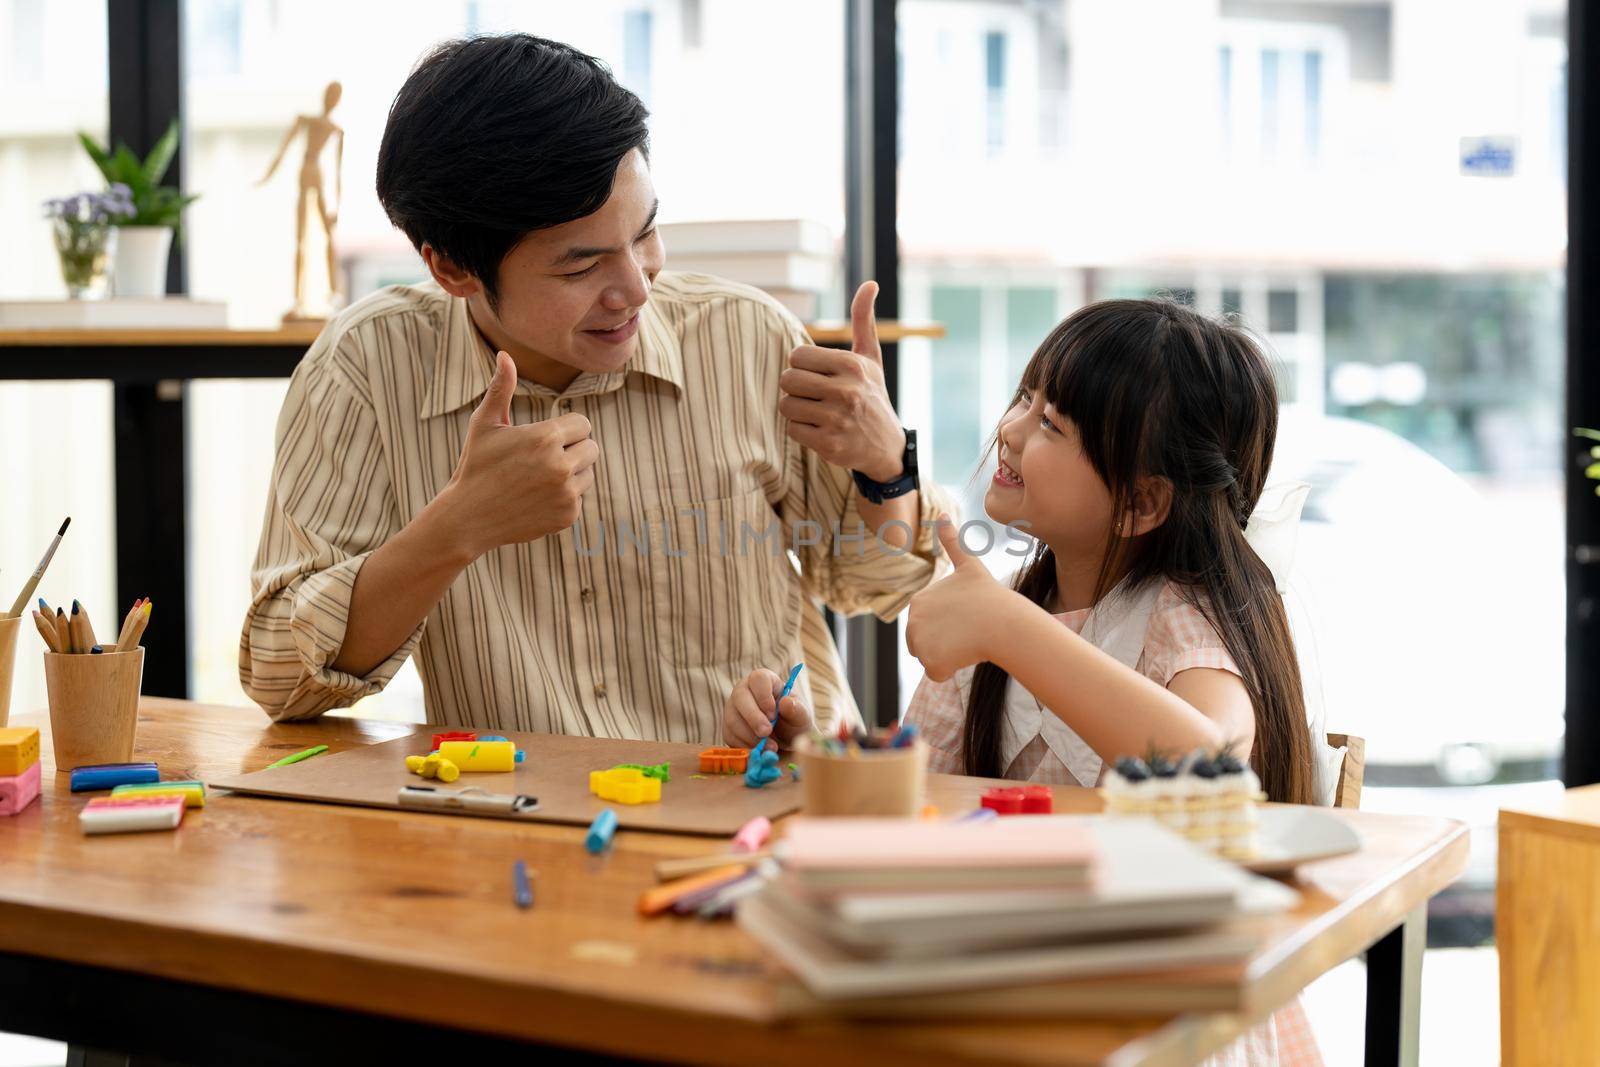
(794, 260)
(1048, 913)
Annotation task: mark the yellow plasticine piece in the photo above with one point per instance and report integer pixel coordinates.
(474, 756)
(414, 764)
(447, 771)
(625, 786)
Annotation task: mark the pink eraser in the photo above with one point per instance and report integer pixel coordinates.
(753, 834)
(19, 790)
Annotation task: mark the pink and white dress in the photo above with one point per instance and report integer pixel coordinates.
(1159, 634)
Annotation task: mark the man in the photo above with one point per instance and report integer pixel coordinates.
(563, 478)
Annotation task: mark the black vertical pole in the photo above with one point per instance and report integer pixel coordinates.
(1582, 763)
(872, 252)
(145, 60)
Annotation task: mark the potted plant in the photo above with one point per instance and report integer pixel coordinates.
(86, 237)
(144, 239)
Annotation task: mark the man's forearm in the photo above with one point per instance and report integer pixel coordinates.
(893, 521)
(399, 584)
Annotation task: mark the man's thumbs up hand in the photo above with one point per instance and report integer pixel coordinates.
(517, 483)
(837, 403)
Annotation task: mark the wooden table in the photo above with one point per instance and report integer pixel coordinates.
(1547, 925)
(149, 371)
(266, 931)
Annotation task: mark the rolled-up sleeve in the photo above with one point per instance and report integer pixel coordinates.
(329, 506)
(843, 562)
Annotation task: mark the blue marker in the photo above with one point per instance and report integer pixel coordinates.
(601, 831)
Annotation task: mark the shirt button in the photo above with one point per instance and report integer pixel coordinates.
(600, 690)
(586, 594)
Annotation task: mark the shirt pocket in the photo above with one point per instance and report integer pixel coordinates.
(724, 588)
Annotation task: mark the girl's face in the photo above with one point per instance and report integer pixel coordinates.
(1046, 485)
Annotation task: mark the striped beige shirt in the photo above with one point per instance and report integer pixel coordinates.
(705, 549)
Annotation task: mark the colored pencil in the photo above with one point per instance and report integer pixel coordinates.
(33, 581)
(139, 625)
(83, 638)
(63, 631)
(128, 622)
(47, 630)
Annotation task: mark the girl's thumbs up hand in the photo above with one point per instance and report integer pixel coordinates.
(955, 622)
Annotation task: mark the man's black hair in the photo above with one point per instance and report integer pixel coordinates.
(493, 137)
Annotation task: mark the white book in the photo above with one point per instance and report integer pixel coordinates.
(764, 270)
(1147, 878)
(830, 972)
(124, 313)
(802, 303)
(748, 235)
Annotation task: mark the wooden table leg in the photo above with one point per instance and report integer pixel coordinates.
(1394, 992)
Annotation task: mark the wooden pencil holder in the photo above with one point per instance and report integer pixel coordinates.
(94, 706)
(8, 663)
(882, 781)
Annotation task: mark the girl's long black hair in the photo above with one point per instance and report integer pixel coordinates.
(1156, 389)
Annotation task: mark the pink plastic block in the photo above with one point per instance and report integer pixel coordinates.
(20, 790)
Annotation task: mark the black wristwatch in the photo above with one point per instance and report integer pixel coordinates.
(878, 492)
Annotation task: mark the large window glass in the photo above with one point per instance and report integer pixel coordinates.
(746, 125)
(53, 56)
(1306, 167)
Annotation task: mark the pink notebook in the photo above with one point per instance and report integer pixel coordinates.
(892, 844)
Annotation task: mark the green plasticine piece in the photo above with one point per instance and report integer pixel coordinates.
(662, 771)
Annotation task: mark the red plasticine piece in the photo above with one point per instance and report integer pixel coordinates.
(454, 735)
(1003, 801)
(1037, 800)
(1020, 800)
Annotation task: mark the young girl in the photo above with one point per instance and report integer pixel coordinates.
(1134, 451)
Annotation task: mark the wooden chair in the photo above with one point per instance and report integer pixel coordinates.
(1347, 794)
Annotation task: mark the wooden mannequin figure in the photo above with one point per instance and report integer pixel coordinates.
(319, 130)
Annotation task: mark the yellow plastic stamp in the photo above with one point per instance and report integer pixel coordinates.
(480, 755)
(433, 765)
(625, 786)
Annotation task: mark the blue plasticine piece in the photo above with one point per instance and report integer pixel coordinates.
(601, 832)
(762, 768)
(109, 775)
(492, 737)
(520, 754)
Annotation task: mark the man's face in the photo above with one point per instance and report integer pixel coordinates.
(571, 294)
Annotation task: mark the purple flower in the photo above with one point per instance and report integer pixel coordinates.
(113, 205)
